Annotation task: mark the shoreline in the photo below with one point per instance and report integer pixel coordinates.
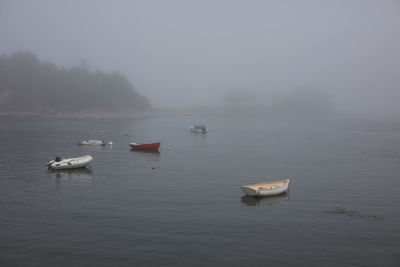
(84, 115)
(199, 111)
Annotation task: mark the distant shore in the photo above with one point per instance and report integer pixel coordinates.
(155, 112)
(116, 115)
(196, 111)
(80, 115)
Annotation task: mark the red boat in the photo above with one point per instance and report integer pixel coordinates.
(145, 147)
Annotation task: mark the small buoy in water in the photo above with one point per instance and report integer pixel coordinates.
(110, 143)
(153, 168)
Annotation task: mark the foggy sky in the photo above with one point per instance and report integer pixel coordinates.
(184, 53)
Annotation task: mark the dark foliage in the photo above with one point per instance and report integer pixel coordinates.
(28, 85)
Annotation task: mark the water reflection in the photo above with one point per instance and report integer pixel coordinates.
(282, 199)
(147, 155)
(144, 152)
(80, 174)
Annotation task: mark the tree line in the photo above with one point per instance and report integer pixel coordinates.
(29, 85)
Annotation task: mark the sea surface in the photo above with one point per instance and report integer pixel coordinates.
(184, 207)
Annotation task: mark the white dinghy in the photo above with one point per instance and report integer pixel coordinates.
(266, 189)
(72, 163)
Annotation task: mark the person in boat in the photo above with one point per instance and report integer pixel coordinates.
(57, 159)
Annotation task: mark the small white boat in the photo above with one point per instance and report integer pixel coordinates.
(92, 142)
(198, 129)
(266, 189)
(72, 163)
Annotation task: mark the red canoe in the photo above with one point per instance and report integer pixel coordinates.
(152, 147)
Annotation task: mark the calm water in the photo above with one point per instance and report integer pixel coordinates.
(184, 207)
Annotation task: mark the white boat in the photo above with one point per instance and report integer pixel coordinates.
(198, 129)
(92, 142)
(266, 189)
(72, 163)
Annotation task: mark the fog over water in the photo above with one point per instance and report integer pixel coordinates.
(283, 89)
(195, 53)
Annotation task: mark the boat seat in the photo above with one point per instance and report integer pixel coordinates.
(268, 187)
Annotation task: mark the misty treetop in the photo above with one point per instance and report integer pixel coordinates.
(28, 85)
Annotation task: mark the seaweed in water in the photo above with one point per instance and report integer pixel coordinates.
(352, 213)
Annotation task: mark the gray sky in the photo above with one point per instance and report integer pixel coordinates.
(182, 53)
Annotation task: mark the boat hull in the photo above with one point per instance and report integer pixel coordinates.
(145, 147)
(266, 189)
(72, 163)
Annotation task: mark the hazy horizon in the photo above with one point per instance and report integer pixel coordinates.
(185, 53)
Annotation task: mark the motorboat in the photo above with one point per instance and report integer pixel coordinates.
(266, 189)
(145, 147)
(71, 163)
(92, 142)
(198, 129)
